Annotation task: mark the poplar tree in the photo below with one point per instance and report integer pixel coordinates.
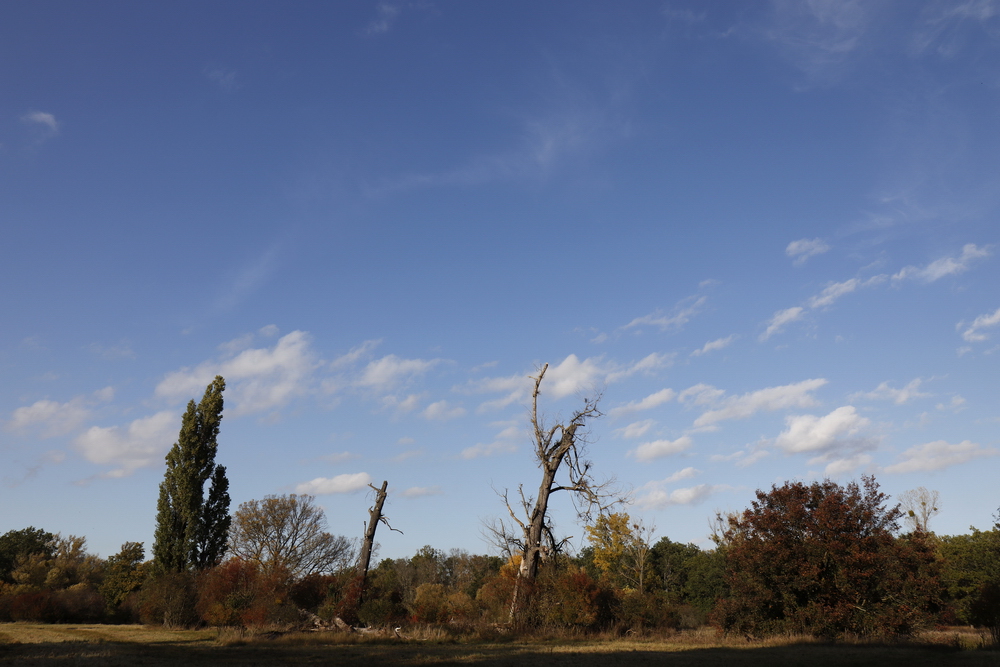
(192, 530)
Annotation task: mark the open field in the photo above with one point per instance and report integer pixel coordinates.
(126, 646)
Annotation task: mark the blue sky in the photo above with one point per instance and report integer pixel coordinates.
(766, 231)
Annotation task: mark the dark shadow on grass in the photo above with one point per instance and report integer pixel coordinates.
(514, 654)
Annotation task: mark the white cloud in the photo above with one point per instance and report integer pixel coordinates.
(974, 332)
(651, 401)
(847, 465)
(224, 77)
(955, 404)
(686, 473)
(772, 398)
(884, 392)
(700, 394)
(636, 429)
(46, 123)
(717, 344)
(780, 319)
(938, 455)
(492, 449)
(257, 379)
(571, 376)
(680, 316)
(54, 418)
(407, 404)
(656, 449)
(834, 291)
(741, 458)
(340, 457)
(407, 455)
(442, 411)
(504, 443)
(421, 491)
(648, 365)
(346, 483)
(803, 249)
(388, 372)
(144, 442)
(809, 433)
(658, 498)
(387, 13)
(355, 354)
(944, 266)
(820, 35)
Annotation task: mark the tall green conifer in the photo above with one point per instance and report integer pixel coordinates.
(191, 530)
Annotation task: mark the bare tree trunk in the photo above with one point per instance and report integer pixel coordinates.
(557, 446)
(375, 516)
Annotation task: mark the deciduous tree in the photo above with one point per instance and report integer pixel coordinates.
(822, 559)
(918, 506)
(286, 534)
(15, 544)
(621, 549)
(192, 529)
(123, 574)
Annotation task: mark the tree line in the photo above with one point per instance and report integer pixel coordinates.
(823, 559)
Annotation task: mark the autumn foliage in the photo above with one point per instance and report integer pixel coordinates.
(823, 559)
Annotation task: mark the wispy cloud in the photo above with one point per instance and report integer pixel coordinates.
(834, 291)
(387, 13)
(945, 266)
(53, 419)
(653, 400)
(654, 496)
(686, 473)
(796, 395)
(800, 251)
(672, 321)
(636, 429)
(742, 458)
(657, 449)
(443, 411)
(939, 455)
(780, 319)
(504, 443)
(571, 376)
(347, 483)
(421, 491)
(974, 332)
(717, 344)
(223, 77)
(44, 125)
(820, 35)
(884, 392)
(258, 379)
(390, 371)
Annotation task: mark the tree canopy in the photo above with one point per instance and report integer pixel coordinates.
(823, 559)
(286, 534)
(192, 530)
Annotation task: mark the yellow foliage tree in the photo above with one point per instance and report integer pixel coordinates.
(621, 549)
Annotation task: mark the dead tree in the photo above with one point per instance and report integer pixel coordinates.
(557, 447)
(375, 517)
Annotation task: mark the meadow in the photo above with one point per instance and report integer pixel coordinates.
(128, 645)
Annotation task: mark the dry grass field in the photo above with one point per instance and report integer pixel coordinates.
(128, 646)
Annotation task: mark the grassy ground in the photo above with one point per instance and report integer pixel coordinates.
(130, 645)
